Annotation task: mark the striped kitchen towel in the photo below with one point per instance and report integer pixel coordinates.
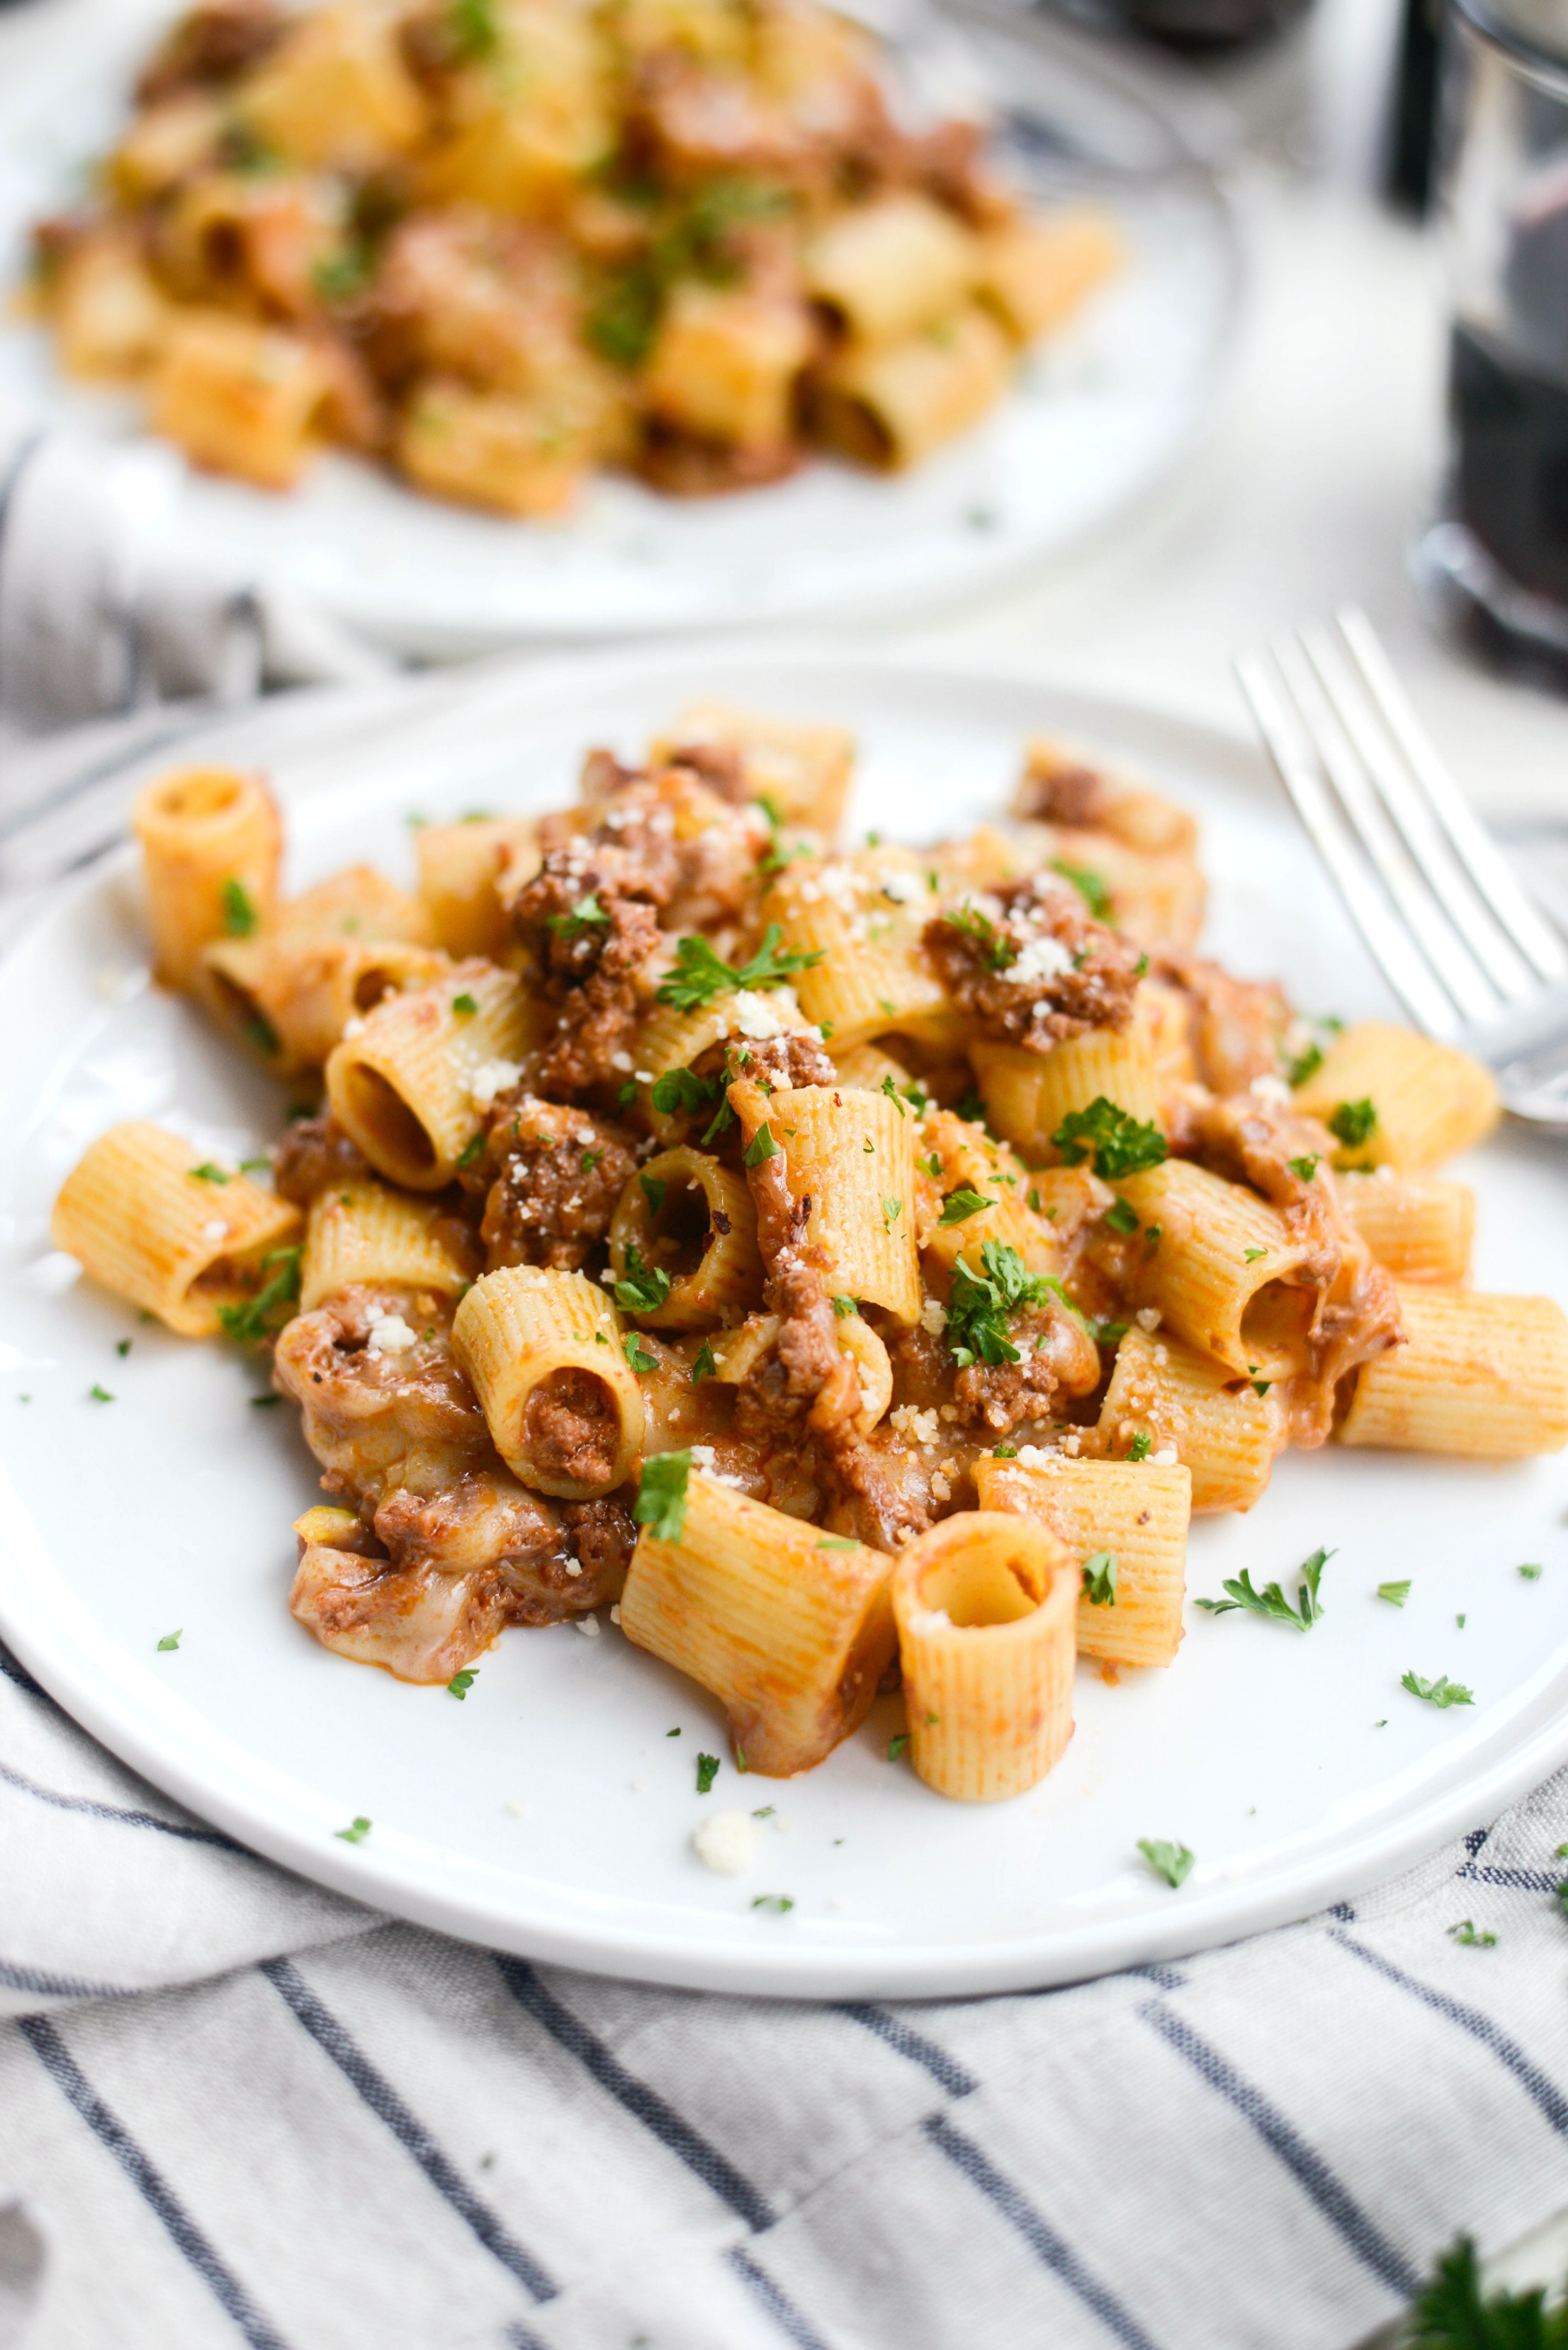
(236, 2109)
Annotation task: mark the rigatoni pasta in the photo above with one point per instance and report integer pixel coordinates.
(842, 1261)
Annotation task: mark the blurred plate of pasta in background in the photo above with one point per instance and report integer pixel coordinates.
(1073, 428)
(552, 1809)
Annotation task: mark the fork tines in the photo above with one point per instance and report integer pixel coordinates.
(1430, 892)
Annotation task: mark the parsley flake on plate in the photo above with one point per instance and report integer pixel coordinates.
(1531, 1573)
(1100, 1579)
(707, 1771)
(1118, 1144)
(660, 1503)
(896, 1746)
(97, 1394)
(355, 1832)
(1468, 1939)
(462, 1682)
(1440, 1692)
(960, 1205)
(1396, 1594)
(1171, 1861)
(774, 1903)
(170, 1640)
(1272, 1600)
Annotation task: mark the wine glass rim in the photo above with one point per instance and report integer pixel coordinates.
(1533, 56)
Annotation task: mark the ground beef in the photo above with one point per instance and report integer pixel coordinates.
(685, 465)
(720, 767)
(1237, 1026)
(571, 1428)
(559, 1174)
(602, 776)
(1057, 1356)
(601, 1536)
(211, 43)
(1252, 1140)
(314, 1154)
(1064, 795)
(797, 1058)
(1030, 966)
(589, 922)
(882, 1489)
(477, 1521)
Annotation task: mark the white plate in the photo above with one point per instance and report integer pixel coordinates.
(170, 1507)
(1098, 415)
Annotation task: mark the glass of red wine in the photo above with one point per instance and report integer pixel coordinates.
(1495, 559)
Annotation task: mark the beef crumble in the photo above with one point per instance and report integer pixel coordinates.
(314, 1154)
(1030, 966)
(559, 1174)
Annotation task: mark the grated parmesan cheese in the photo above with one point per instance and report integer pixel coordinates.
(760, 1016)
(1041, 960)
(727, 1843)
(919, 1427)
(492, 1077)
(391, 1335)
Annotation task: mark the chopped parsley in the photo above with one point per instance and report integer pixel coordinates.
(960, 1205)
(973, 1110)
(1450, 2313)
(776, 1903)
(471, 1153)
(1118, 1143)
(472, 27)
(251, 1323)
(460, 1683)
(892, 1210)
(1396, 1594)
(705, 1367)
(896, 1746)
(838, 1541)
(97, 1394)
(642, 1289)
(761, 1148)
(1440, 1692)
(170, 1640)
(660, 1503)
(1141, 1446)
(930, 1165)
(584, 914)
(122, 1346)
(890, 1088)
(1272, 1600)
(1100, 1579)
(1467, 1938)
(700, 974)
(626, 1093)
(638, 1356)
(1122, 1216)
(465, 1005)
(1352, 1122)
(972, 924)
(208, 1173)
(707, 1771)
(1305, 1167)
(1171, 1861)
(681, 1089)
(1090, 886)
(654, 1188)
(1251, 1257)
(1531, 1572)
(1004, 1452)
(240, 915)
(981, 1305)
(845, 1306)
(1306, 1065)
(355, 1832)
(258, 1030)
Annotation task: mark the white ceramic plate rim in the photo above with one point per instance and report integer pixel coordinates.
(53, 1634)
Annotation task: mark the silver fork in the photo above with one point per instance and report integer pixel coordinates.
(1471, 957)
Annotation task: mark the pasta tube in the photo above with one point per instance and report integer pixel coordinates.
(891, 405)
(970, 1162)
(359, 1232)
(459, 865)
(1165, 1397)
(1396, 1099)
(1420, 1228)
(1219, 1274)
(182, 1241)
(1124, 1528)
(293, 995)
(883, 269)
(211, 845)
(238, 397)
(864, 915)
(852, 1159)
(803, 771)
(1036, 270)
(670, 1040)
(404, 1086)
(1027, 1095)
(790, 1627)
(986, 1605)
(725, 362)
(691, 1228)
(1482, 1377)
(543, 1352)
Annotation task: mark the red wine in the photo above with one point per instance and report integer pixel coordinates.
(1508, 469)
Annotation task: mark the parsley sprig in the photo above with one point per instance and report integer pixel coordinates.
(699, 973)
(981, 1305)
(660, 1503)
(1441, 1692)
(1118, 1144)
(1449, 2313)
(1171, 1861)
(643, 1288)
(1272, 1600)
(259, 1316)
